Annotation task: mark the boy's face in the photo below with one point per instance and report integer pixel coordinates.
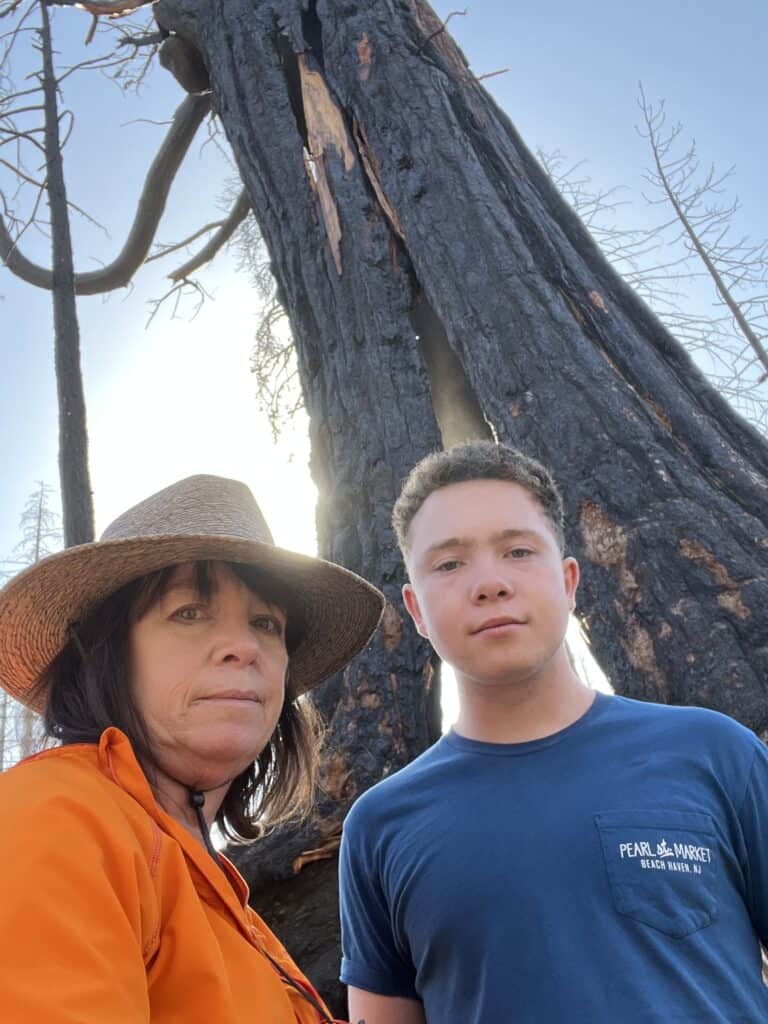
(489, 586)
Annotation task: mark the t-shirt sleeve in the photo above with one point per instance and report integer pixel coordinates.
(753, 816)
(70, 914)
(371, 955)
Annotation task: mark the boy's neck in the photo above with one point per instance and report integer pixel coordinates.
(520, 711)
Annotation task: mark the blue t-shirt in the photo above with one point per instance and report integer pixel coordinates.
(616, 871)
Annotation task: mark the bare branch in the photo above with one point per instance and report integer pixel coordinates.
(10, 8)
(166, 250)
(673, 175)
(93, 64)
(92, 30)
(443, 27)
(228, 227)
(20, 174)
(659, 270)
(177, 293)
(114, 9)
(273, 360)
(491, 74)
(146, 39)
(15, 111)
(150, 208)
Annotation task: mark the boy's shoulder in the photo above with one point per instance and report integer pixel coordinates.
(417, 778)
(706, 722)
(711, 737)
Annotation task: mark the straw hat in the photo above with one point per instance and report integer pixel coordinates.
(200, 518)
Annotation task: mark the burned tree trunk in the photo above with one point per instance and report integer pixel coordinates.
(433, 275)
(76, 499)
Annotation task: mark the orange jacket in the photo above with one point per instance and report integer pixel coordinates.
(112, 913)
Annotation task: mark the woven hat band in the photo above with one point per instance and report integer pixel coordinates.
(199, 505)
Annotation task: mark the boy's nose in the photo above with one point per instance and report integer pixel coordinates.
(490, 590)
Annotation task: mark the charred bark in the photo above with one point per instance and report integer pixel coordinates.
(383, 176)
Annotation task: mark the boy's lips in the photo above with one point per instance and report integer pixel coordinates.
(499, 623)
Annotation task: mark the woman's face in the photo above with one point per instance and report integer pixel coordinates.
(208, 676)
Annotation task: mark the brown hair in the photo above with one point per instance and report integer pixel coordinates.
(476, 460)
(90, 690)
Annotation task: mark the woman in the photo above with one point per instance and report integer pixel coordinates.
(167, 659)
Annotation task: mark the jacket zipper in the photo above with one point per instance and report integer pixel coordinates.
(197, 801)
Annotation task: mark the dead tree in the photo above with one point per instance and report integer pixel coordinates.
(663, 261)
(41, 535)
(74, 477)
(17, 106)
(439, 287)
(733, 342)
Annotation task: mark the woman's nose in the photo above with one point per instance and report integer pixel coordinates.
(237, 643)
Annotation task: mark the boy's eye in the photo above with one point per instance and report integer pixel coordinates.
(447, 566)
(519, 552)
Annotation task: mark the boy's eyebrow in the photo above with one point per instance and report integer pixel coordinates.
(466, 542)
(450, 542)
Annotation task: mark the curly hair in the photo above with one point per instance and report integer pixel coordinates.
(476, 460)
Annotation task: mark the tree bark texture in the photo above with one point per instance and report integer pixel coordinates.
(76, 499)
(386, 183)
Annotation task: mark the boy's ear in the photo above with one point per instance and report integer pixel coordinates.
(571, 579)
(411, 603)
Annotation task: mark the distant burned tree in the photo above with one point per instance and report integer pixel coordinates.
(43, 143)
(40, 536)
(732, 343)
(33, 134)
(690, 248)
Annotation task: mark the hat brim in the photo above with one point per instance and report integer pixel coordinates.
(338, 611)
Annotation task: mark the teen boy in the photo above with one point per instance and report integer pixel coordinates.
(560, 855)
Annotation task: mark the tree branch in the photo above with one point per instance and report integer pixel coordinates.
(236, 216)
(165, 250)
(678, 203)
(150, 208)
(145, 39)
(443, 28)
(491, 74)
(111, 8)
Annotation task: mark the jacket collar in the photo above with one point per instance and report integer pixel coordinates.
(119, 763)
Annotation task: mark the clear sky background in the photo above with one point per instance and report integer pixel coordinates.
(178, 398)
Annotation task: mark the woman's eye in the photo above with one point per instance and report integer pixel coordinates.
(268, 624)
(190, 613)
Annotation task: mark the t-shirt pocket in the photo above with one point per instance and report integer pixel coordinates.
(662, 867)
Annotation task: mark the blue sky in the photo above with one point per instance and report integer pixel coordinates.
(178, 398)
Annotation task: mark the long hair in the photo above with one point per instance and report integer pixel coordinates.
(90, 690)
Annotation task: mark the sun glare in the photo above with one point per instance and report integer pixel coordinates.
(589, 672)
(186, 391)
